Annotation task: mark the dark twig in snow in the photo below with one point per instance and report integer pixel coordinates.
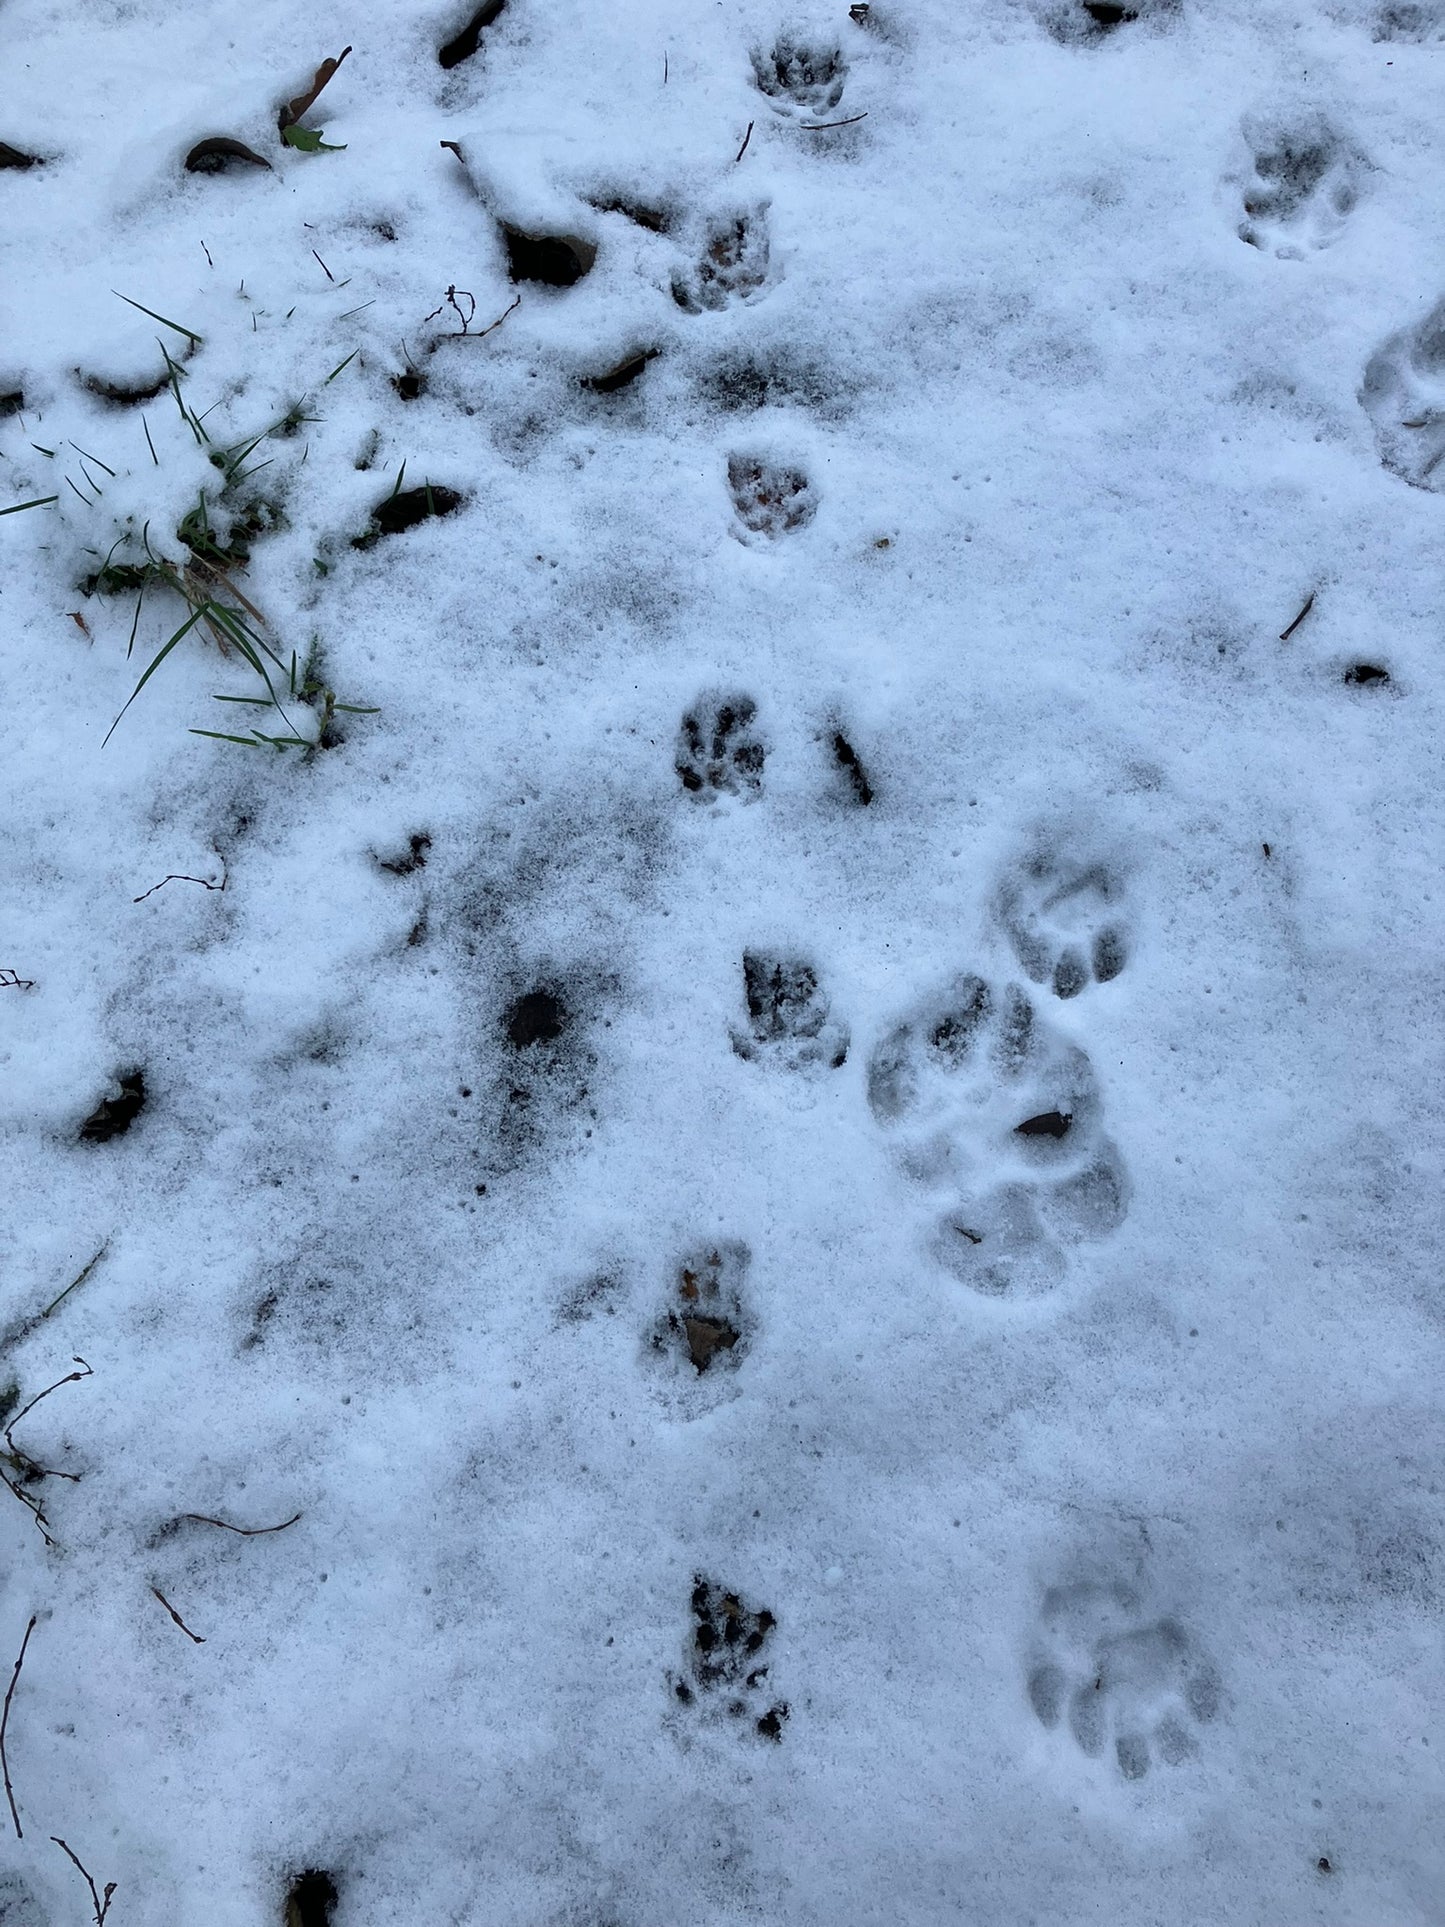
(1285, 634)
(101, 1905)
(246, 1532)
(196, 1637)
(10, 981)
(4, 1723)
(821, 126)
(205, 885)
(744, 148)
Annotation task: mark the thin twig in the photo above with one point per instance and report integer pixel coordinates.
(744, 148)
(246, 1532)
(10, 981)
(181, 879)
(499, 320)
(1285, 634)
(101, 1906)
(56, 1302)
(71, 1378)
(821, 126)
(176, 1617)
(5, 1721)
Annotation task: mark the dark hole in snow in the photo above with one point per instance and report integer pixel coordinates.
(552, 259)
(126, 394)
(847, 759)
(1365, 673)
(1046, 1124)
(411, 386)
(622, 376)
(311, 1900)
(12, 403)
(406, 509)
(536, 1017)
(1105, 15)
(219, 154)
(113, 1116)
(464, 44)
(1323, 1864)
(770, 1726)
(415, 858)
(12, 157)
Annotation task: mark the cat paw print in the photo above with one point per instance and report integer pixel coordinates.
(730, 264)
(719, 753)
(985, 1105)
(1065, 917)
(1124, 1683)
(789, 1025)
(1403, 393)
(801, 79)
(1302, 185)
(770, 499)
(728, 1662)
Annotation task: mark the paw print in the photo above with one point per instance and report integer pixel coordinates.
(788, 1021)
(770, 498)
(1403, 393)
(800, 78)
(731, 264)
(1123, 1681)
(704, 1329)
(1303, 187)
(727, 1659)
(718, 751)
(985, 1104)
(1065, 919)
(1075, 23)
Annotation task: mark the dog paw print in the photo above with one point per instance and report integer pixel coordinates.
(719, 753)
(728, 1665)
(789, 1025)
(730, 265)
(704, 1329)
(800, 78)
(1125, 1683)
(770, 499)
(1403, 393)
(1065, 919)
(1302, 187)
(984, 1104)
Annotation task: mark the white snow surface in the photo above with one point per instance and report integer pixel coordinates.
(1081, 1488)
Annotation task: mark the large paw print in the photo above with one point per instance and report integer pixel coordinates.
(1120, 1678)
(1065, 918)
(789, 1025)
(731, 264)
(718, 751)
(727, 1659)
(1403, 393)
(984, 1102)
(800, 78)
(1303, 187)
(770, 498)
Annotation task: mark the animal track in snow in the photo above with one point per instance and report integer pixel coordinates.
(1119, 1677)
(987, 1105)
(1088, 22)
(770, 498)
(1065, 919)
(718, 751)
(704, 1327)
(798, 78)
(1417, 21)
(788, 1021)
(1403, 393)
(727, 1658)
(1303, 187)
(731, 264)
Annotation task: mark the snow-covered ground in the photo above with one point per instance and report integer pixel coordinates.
(814, 1158)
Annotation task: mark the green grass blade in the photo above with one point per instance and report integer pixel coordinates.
(337, 370)
(165, 649)
(175, 326)
(220, 736)
(40, 502)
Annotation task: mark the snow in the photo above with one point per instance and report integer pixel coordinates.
(1080, 1487)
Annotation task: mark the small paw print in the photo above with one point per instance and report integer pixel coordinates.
(1066, 918)
(789, 1025)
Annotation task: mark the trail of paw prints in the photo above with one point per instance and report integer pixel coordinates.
(728, 1664)
(1066, 918)
(719, 752)
(789, 1026)
(1403, 393)
(729, 264)
(1303, 185)
(1122, 1681)
(983, 1102)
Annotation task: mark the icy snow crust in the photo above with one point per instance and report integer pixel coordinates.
(589, 1010)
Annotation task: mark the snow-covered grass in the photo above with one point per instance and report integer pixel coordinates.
(765, 1250)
